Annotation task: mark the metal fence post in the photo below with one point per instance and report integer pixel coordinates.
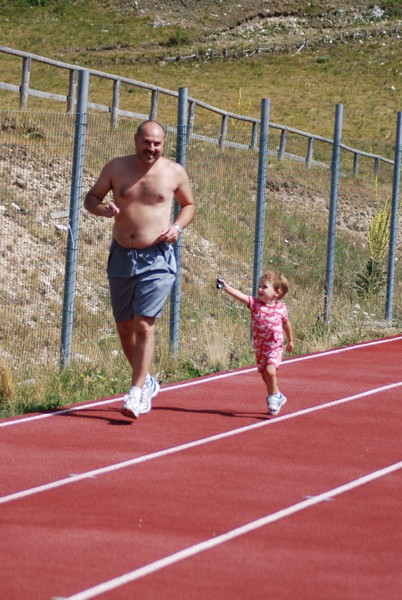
(335, 168)
(74, 218)
(394, 219)
(181, 159)
(261, 193)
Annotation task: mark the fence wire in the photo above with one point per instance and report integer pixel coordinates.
(35, 189)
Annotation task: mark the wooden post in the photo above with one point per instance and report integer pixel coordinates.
(26, 73)
(309, 157)
(72, 90)
(224, 130)
(154, 104)
(115, 102)
(282, 144)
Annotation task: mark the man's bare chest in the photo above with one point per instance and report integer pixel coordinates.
(144, 190)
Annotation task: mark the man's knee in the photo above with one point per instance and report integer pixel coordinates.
(144, 326)
(125, 329)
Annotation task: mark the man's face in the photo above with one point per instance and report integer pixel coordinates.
(149, 143)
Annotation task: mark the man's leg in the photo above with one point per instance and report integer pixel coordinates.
(137, 338)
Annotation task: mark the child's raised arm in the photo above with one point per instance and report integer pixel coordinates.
(233, 292)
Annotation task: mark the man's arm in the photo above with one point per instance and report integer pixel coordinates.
(184, 196)
(186, 203)
(94, 198)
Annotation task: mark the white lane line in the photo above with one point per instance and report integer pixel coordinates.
(112, 584)
(199, 381)
(174, 449)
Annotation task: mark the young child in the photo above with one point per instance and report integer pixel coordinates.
(269, 319)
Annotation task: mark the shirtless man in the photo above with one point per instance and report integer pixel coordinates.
(141, 267)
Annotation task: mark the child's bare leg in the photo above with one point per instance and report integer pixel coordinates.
(269, 377)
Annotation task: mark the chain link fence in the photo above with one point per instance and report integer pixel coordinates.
(35, 189)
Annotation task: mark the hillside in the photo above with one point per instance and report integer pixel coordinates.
(213, 16)
(217, 24)
(303, 55)
(153, 25)
(132, 38)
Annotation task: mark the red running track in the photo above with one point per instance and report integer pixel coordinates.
(208, 497)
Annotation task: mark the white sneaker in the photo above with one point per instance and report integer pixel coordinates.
(131, 407)
(149, 391)
(275, 403)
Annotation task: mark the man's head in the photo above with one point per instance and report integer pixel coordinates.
(149, 141)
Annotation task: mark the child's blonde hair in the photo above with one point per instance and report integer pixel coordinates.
(279, 282)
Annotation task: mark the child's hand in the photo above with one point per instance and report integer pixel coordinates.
(222, 285)
(290, 347)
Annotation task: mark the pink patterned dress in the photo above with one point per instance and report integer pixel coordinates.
(267, 327)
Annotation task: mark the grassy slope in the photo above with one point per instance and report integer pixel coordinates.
(303, 86)
(366, 77)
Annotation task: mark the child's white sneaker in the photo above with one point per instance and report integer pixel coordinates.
(275, 403)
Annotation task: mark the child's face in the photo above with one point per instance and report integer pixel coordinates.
(266, 292)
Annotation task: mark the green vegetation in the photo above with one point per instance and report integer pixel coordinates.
(372, 282)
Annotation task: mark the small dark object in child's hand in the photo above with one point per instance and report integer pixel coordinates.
(219, 283)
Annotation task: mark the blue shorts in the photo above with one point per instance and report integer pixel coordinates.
(140, 280)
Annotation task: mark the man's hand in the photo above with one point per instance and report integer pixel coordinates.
(110, 210)
(170, 235)
(97, 207)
